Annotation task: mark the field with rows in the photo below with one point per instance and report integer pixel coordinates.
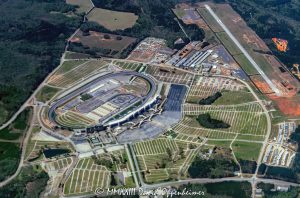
(246, 120)
(164, 159)
(86, 177)
(67, 75)
(73, 120)
(59, 164)
(128, 65)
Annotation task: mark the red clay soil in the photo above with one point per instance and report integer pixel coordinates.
(288, 106)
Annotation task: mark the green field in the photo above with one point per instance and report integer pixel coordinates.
(209, 20)
(17, 128)
(245, 64)
(246, 150)
(68, 65)
(112, 20)
(46, 93)
(65, 76)
(228, 43)
(234, 97)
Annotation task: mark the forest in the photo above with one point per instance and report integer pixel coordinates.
(32, 40)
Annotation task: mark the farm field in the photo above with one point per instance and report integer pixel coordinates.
(86, 177)
(77, 73)
(46, 93)
(164, 159)
(84, 5)
(112, 20)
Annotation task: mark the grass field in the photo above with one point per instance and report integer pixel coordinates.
(211, 22)
(17, 128)
(234, 97)
(112, 20)
(228, 43)
(68, 65)
(46, 93)
(84, 5)
(65, 76)
(245, 64)
(128, 65)
(246, 150)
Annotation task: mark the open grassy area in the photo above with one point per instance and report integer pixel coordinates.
(234, 97)
(246, 150)
(17, 128)
(68, 65)
(211, 22)
(245, 64)
(66, 76)
(228, 43)
(112, 20)
(46, 93)
(224, 144)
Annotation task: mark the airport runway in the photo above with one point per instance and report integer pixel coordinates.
(256, 66)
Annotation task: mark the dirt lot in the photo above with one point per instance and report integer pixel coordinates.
(98, 40)
(112, 20)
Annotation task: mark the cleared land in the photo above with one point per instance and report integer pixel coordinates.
(112, 20)
(114, 43)
(46, 93)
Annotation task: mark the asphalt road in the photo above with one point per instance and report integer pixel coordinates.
(251, 60)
